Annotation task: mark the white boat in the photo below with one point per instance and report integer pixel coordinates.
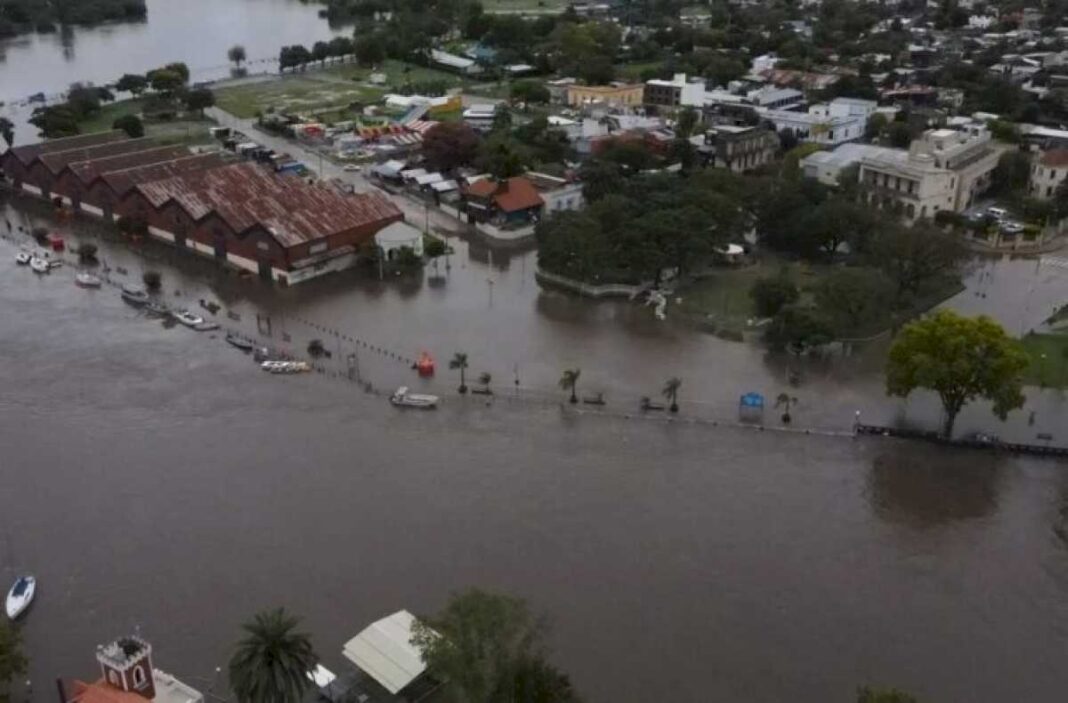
(22, 258)
(188, 319)
(285, 367)
(39, 265)
(20, 596)
(134, 296)
(87, 280)
(405, 399)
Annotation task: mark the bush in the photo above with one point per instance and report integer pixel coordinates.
(316, 348)
(434, 248)
(152, 279)
(770, 295)
(40, 235)
(131, 124)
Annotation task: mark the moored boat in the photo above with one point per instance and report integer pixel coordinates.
(87, 280)
(242, 344)
(39, 265)
(134, 296)
(285, 367)
(20, 596)
(188, 319)
(403, 398)
(23, 258)
(157, 309)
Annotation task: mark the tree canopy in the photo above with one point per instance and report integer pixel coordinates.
(12, 660)
(271, 664)
(961, 359)
(448, 145)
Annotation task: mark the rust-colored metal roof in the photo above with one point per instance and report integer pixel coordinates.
(293, 211)
(29, 152)
(100, 692)
(512, 195)
(56, 161)
(87, 171)
(121, 181)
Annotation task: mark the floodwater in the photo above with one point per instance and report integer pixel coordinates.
(198, 32)
(155, 480)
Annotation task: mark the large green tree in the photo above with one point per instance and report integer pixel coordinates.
(960, 359)
(12, 660)
(485, 648)
(448, 145)
(913, 256)
(271, 664)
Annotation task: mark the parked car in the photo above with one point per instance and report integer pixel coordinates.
(997, 213)
(352, 167)
(1011, 227)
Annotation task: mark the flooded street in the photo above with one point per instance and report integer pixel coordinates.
(154, 479)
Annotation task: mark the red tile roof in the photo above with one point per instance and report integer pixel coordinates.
(1055, 158)
(87, 171)
(55, 161)
(29, 152)
(101, 692)
(515, 194)
(293, 211)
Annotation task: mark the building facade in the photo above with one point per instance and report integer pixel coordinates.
(623, 95)
(739, 149)
(1047, 173)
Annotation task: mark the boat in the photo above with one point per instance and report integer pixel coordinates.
(285, 367)
(22, 258)
(242, 344)
(157, 309)
(39, 265)
(20, 596)
(87, 280)
(134, 296)
(402, 398)
(425, 365)
(188, 319)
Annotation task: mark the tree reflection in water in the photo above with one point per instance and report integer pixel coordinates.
(927, 486)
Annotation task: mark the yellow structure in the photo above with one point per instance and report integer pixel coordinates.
(452, 103)
(613, 95)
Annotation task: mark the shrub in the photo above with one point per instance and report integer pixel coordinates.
(770, 295)
(316, 348)
(152, 279)
(87, 252)
(131, 124)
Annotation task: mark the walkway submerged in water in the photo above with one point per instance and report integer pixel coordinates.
(975, 443)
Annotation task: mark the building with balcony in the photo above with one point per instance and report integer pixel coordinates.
(739, 149)
(1047, 173)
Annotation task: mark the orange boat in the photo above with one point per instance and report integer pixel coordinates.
(425, 365)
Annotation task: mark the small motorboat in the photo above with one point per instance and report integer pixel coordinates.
(425, 365)
(20, 596)
(188, 319)
(87, 280)
(39, 265)
(402, 398)
(157, 309)
(242, 344)
(134, 296)
(23, 258)
(285, 367)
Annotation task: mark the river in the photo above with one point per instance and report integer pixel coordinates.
(198, 32)
(155, 480)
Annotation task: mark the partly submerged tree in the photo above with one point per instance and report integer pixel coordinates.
(960, 359)
(12, 660)
(237, 55)
(271, 664)
(459, 362)
(883, 695)
(7, 131)
(569, 382)
(671, 392)
(785, 401)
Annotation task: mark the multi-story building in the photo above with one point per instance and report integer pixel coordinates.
(817, 125)
(827, 167)
(739, 149)
(1048, 172)
(677, 92)
(619, 95)
(942, 170)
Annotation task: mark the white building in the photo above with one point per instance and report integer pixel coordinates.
(1048, 172)
(677, 92)
(764, 63)
(827, 166)
(942, 170)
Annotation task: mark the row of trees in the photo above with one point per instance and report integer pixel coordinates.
(18, 16)
(299, 55)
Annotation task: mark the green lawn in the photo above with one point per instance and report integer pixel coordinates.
(1049, 360)
(180, 131)
(633, 71)
(302, 93)
(524, 5)
(396, 76)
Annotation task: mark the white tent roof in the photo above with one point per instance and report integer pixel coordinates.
(385, 652)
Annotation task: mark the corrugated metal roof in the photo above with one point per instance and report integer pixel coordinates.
(384, 650)
(57, 160)
(121, 181)
(293, 211)
(29, 152)
(86, 171)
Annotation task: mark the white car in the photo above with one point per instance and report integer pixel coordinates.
(352, 167)
(1011, 227)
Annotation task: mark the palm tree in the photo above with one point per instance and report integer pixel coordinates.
(785, 401)
(459, 361)
(236, 54)
(671, 392)
(271, 664)
(569, 381)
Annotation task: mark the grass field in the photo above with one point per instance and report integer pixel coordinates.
(181, 131)
(396, 76)
(524, 5)
(633, 71)
(303, 93)
(1049, 360)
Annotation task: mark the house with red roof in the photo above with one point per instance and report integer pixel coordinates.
(513, 202)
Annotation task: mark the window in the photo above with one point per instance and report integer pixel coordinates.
(113, 678)
(317, 248)
(262, 246)
(139, 676)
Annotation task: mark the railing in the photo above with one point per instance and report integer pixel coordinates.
(606, 290)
